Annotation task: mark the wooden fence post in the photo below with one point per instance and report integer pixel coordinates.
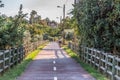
(100, 57)
(91, 52)
(3, 61)
(94, 55)
(82, 55)
(9, 58)
(113, 68)
(87, 55)
(17, 55)
(106, 61)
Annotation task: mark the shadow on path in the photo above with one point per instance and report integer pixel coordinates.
(41, 68)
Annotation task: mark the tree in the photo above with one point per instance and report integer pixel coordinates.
(32, 16)
(98, 24)
(11, 30)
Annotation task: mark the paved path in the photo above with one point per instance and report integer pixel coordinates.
(52, 63)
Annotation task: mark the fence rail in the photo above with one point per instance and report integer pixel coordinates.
(11, 57)
(104, 62)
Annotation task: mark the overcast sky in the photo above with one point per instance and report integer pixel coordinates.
(45, 8)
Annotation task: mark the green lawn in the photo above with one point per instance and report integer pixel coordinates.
(87, 67)
(13, 73)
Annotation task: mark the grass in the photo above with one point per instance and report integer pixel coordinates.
(16, 71)
(87, 67)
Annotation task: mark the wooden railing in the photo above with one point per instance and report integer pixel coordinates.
(104, 62)
(32, 46)
(11, 57)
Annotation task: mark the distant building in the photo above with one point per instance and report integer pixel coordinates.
(53, 24)
(43, 22)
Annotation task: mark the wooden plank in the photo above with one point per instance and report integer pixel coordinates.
(89, 59)
(110, 56)
(102, 68)
(93, 62)
(110, 64)
(1, 53)
(1, 61)
(97, 58)
(103, 53)
(1, 70)
(9, 58)
(6, 59)
(118, 59)
(109, 72)
(97, 65)
(17, 54)
(98, 51)
(11, 64)
(113, 68)
(117, 77)
(93, 56)
(5, 67)
(117, 67)
(106, 61)
(6, 51)
(103, 60)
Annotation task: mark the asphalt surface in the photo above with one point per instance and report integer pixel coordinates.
(52, 63)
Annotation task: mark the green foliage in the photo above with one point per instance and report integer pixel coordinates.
(11, 30)
(53, 32)
(99, 24)
(69, 36)
(68, 23)
(45, 36)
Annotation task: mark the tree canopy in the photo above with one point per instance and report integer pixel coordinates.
(99, 24)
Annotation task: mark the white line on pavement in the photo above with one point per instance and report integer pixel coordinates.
(55, 78)
(54, 62)
(54, 68)
(54, 57)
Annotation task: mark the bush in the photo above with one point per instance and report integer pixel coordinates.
(99, 24)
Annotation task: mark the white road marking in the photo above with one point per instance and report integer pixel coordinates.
(54, 62)
(54, 68)
(55, 78)
(54, 57)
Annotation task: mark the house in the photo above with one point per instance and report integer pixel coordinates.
(53, 24)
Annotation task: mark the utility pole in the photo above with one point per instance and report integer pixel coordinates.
(63, 35)
(60, 19)
(76, 1)
(64, 11)
(63, 7)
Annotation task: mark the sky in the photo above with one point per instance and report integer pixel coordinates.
(45, 8)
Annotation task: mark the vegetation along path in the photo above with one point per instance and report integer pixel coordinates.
(52, 63)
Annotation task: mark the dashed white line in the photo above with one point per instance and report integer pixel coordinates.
(55, 78)
(54, 68)
(54, 57)
(54, 62)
